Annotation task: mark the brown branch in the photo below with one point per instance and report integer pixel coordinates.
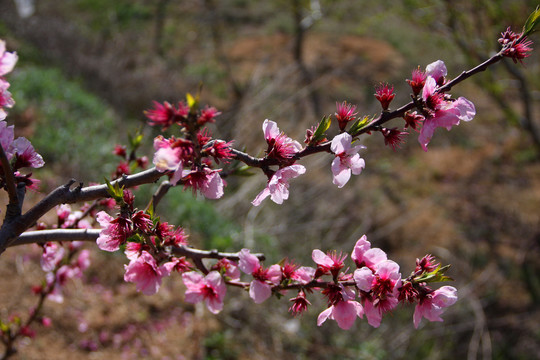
(159, 194)
(65, 195)
(13, 208)
(43, 236)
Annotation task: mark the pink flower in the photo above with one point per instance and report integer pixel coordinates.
(114, 233)
(364, 255)
(63, 211)
(385, 94)
(302, 274)
(59, 279)
(517, 50)
(412, 119)
(437, 70)
(165, 115)
(393, 137)
(207, 115)
(417, 81)
(142, 222)
(344, 114)
(343, 309)
(210, 288)
(207, 181)
(7, 59)
(219, 150)
(260, 288)
(26, 155)
(443, 113)
(228, 268)
(328, 263)
(6, 138)
(6, 101)
(432, 306)
(280, 146)
(52, 255)
(46, 321)
(300, 303)
(145, 273)
(180, 265)
(278, 186)
(380, 288)
(133, 250)
(347, 159)
(168, 158)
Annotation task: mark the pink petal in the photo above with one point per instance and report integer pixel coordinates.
(7, 60)
(213, 188)
(429, 88)
(341, 173)
(261, 196)
(321, 258)
(166, 158)
(345, 313)
(324, 315)
(304, 274)
(373, 314)
(290, 172)
(259, 291)
(466, 109)
(214, 305)
(279, 192)
(388, 269)
(361, 246)
(192, 280)
(270, 129)
(445, 296)
(341, 143)
(436, 70)
(274, 274)
(357, 164)
(248, 263)
(363, 278)
(374, 256)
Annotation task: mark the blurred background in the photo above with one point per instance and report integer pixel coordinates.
(88, 68)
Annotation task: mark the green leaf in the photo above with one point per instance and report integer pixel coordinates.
(532, 22)
(243, 171)
(436, 275)
(150, 210)
(4, 327)
(193, 102)
(358, 125)
(116, 192)
(321, 129)
(135, 141)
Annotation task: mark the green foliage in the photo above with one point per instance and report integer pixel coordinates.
(217, 346)
(72, 127)
(532, 22)
(122, 13)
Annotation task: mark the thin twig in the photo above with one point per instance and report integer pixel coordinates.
(10, 179)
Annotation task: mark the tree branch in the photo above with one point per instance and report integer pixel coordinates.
(65, 195)
(43, 236)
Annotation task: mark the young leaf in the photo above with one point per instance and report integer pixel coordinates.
(532, 22)
(358, 125)
(321, 129)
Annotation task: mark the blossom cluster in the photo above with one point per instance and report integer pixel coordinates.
(189, 158)
(150, 246)
(19, 152)
(193, 158)
(376, 279)
(7, 63)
